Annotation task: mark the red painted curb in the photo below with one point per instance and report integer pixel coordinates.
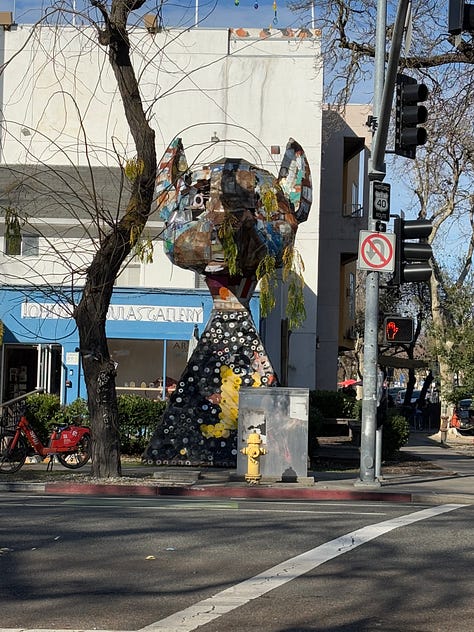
(306, 493)
(279, 493)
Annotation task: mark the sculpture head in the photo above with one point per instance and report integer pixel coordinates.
(225, 217)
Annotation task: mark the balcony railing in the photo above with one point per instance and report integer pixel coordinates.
(353, 210)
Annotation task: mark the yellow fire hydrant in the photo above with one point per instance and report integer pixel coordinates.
(254, 451)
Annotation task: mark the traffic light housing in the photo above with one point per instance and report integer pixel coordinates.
(412, 257)
(397, 330)
(460, 17)
(409, 115)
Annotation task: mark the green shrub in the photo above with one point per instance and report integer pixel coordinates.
(138, 419)
(357, 410)
(77, 412)
(42, 410)
(315, 426)
(328, 404)
(332, 403)
(396, 431)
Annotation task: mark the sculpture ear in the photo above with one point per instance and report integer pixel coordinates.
(294, 178)
(169, 178)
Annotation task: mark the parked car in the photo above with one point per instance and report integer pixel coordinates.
(465, 404)
(392, 394)
(400, 397)
(393, 390)
(463, 417)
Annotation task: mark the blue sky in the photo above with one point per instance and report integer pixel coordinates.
(211, 13)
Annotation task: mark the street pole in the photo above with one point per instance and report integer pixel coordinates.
(383, 96)
(385, 106)
(369, 401)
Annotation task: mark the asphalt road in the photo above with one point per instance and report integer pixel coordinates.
(172, 564)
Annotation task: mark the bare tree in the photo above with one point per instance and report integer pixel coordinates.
(113, 229)
(442, 185)
(91, 312)
(439, 183)
(348, 31)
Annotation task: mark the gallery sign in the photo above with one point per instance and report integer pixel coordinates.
(130, 313)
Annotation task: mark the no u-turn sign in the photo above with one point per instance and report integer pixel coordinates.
(376, 251)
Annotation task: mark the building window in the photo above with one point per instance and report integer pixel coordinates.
(355, 196)
(353, 167)
(26, 245)
(354, 208)
(129, 276)
(29, 245)
(199, 281)
(150, 368)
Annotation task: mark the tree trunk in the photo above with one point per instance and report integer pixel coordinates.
(99, 370)
(445, 374)
(91, 312)
(99, 374)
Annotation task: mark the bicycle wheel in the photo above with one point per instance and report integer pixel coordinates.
(78, 458)
(11, 460)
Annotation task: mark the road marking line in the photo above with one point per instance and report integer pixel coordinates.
(223, 602)
(193, 506)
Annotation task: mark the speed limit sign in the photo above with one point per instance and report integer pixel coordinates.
(380, 201)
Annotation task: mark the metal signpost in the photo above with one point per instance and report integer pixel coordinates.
(384, 85)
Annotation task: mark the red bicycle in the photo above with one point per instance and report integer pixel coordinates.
(70, 444)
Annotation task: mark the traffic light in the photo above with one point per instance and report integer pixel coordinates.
(408, 115)
(412, 257)
(397, 330)
(460, 17)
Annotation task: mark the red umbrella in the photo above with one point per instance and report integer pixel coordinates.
(349, 383)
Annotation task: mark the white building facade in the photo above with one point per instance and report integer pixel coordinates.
(238, 93)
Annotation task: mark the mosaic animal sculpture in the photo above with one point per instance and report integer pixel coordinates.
(221, 220)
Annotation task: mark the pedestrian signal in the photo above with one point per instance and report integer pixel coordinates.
(398, 330)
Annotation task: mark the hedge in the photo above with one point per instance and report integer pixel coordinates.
(138, 417)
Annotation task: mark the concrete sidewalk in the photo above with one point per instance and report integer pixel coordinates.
(450, 480)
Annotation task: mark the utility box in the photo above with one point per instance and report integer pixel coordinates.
(280, 417)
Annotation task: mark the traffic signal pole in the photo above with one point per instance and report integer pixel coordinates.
(383, 97)
(387, 86)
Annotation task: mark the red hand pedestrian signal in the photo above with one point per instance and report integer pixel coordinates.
(398, 330)
(391, 330)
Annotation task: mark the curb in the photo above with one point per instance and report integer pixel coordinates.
(272, 493)
(269, 493)
(215, 491)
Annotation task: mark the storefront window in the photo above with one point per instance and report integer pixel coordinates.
(148, 367)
